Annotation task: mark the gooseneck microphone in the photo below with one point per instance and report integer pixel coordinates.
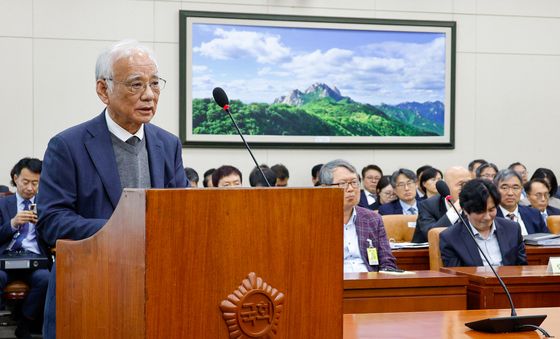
(513, 323)
(221, 98)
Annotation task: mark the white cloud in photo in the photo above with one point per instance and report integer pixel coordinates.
(236, 44)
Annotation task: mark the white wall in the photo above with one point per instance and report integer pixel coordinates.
(508, 63)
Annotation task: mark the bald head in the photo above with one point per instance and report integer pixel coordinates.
(456, 177)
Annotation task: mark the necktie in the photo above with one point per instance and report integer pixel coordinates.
(23, 229)
(511, 216)
(133, 140)
(412, 211)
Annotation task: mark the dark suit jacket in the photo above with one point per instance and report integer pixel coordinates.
(431, 213)
(552, 210)
(369, 225)
(80, 186)
(8, 210)
(364, 203)
(393, 207)
(534, 223)
(459, 249)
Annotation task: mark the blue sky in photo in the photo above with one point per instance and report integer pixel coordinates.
(261, 63)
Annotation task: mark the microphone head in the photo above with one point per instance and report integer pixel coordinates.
(443, 189)
(220, 97)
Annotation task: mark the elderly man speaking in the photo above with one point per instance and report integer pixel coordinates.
(87, 166)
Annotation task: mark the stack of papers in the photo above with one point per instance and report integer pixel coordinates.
(398, 245)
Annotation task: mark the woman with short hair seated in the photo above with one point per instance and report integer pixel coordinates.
(499, 238)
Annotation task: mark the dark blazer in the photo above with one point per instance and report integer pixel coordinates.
(534, 222)
(431, 213)
(364, 202)
(8, 210)
(369, 225)
(459, 249)
(393, 207)
(552, 210)
(80, 185)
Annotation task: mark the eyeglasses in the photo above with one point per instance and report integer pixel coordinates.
(488, 176)
(408, 184)
(514, 188)
(137, 86)
(541, 196)
(345, 184)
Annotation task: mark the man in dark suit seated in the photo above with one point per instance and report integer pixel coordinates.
(404, 183)
(366, 247)
(17, 235)
(371, 174)
(538, 193)
(499, 238)
(436, 211)
(86, 167)
(510, 186)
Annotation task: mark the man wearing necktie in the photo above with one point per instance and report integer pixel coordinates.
(17, 234)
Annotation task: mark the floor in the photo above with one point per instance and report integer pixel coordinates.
(8, 326)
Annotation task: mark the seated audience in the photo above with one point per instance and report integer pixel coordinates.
(473, 165)
(315, 174)
(538, 193)
(509, 185)
(427, 182)
(17, 235)
(500, 239)
(548, 175)
(487, 171)
(404, 183)
(192, 175)
(256, 179)
(370, 177)
(420, 195)
(362, 228)
(385, 191)
(436, 211)
(207, 181)
(522, 171)
(282, 175)
(227, 176)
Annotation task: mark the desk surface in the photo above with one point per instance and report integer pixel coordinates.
(509, 274)
(439, 324)
(412, 279)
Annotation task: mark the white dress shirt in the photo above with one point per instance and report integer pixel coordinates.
(490, 246)
(353, 261)
(517, 218)
(30, 241)
(120, 132)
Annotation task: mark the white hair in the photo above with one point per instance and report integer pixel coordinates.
(107, 58)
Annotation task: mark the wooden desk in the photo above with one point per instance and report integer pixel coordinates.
(419, 259)
(422, 291)
(529, 286)
(413, 259)
(439, 324)
(538, 255)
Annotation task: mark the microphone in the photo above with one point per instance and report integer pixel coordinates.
(221, 98)
(513, 323)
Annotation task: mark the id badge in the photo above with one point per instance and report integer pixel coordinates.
(372, 256)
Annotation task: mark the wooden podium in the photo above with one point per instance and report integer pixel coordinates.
(168, 259)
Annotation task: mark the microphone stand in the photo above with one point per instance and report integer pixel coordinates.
(226, 108)
(514, 323)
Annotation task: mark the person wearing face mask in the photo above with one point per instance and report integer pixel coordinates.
(499, 238)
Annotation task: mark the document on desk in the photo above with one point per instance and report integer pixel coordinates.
(397, 272)
(542, 239)
(398, 245)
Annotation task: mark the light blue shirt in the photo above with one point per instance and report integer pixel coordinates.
(406, 207)
(30, 241)
(353, 261)
(490, 246)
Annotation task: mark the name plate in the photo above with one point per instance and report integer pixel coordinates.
(553, 265)
(16, 264)
(412, 224)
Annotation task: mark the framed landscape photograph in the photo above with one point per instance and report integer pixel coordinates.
(317, 82)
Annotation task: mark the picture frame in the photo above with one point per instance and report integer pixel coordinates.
(316, 82)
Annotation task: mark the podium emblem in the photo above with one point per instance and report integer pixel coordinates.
(253, 310)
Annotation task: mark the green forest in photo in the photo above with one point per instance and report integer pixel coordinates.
(319, 111)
